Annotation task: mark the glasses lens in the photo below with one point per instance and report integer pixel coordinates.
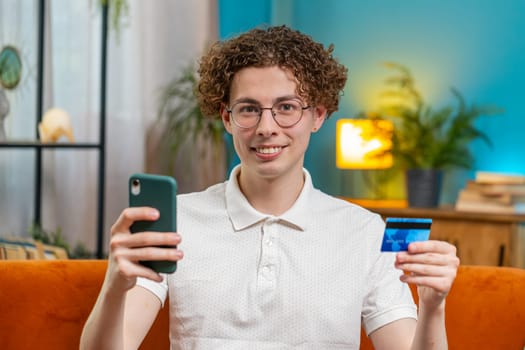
(246, 115)
(287, 113)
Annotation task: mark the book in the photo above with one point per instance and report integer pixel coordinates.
(488, 177)
(27, 248)
(472, 195)
(490, 207)
(501, 196)
(14, 251)
(495, 189)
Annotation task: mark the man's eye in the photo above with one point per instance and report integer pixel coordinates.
(251, 109)
(288, 106)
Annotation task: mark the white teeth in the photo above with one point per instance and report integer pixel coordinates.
(268, 150)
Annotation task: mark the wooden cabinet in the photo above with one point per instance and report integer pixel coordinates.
(481, 238)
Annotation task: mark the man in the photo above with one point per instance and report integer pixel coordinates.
(269, 261)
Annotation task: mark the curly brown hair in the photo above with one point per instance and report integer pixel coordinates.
(320, 77)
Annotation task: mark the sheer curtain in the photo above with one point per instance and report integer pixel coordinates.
(156, 39)
(17, 28)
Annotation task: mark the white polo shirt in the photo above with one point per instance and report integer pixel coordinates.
(307, 279)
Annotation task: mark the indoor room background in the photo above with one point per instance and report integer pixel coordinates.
(475, 46)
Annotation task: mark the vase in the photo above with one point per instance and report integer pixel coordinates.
(423, 187)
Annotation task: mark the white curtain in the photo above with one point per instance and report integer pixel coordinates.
(17, 28)
(156, 39)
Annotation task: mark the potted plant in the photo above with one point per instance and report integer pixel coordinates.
(428, 141)
(117, 10)
(195, 143)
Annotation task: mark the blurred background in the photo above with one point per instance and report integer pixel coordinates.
(475, 46)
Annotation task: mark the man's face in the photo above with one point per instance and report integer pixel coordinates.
(268, 150)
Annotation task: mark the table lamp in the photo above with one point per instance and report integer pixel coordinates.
(364, 144)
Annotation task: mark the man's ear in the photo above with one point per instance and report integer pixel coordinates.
(226, 120)
(319, 117)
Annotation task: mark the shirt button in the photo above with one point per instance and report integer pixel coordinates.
(268, 272)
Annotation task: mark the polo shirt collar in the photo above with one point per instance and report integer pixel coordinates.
(243, 215)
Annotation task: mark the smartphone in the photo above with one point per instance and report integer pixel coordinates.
(159, 192)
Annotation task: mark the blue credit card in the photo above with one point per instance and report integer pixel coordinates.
(400, 232)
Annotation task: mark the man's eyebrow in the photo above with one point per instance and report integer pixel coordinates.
(246, 100)
(278, 99)
(288, 97)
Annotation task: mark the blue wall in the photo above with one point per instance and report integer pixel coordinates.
(476, 46)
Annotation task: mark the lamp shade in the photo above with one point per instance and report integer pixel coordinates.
(364, 144)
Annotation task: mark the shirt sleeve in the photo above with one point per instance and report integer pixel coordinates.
(387, 298)
(159, 289)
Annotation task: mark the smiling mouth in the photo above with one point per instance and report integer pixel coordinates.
(268, 150)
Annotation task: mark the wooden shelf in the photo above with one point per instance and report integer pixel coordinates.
(450, 213)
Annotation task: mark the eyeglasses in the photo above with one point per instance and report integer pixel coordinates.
(286, 113)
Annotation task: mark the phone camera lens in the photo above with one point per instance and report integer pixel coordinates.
(135, 187)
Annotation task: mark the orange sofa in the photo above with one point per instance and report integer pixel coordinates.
(44, 304)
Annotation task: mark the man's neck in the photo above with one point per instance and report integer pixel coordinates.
(273, 196)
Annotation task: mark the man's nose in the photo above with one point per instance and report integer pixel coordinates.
(267, 123)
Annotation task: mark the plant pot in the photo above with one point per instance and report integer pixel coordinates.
(423, 187)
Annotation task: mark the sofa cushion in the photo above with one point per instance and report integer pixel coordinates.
(44, 305)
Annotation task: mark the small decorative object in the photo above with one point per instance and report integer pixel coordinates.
(55, 124)
(428, 141)
(10, 76)
(10, 67)
(4, 111)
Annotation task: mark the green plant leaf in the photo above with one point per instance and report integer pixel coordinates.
(427, 137)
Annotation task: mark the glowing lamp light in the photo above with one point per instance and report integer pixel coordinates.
(364, 144)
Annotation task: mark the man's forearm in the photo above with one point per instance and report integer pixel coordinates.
(104, 327)
(431, 331)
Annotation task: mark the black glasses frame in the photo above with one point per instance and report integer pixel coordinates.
(262, 109)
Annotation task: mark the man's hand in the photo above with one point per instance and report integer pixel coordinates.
(126, 249)
(432, 266)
